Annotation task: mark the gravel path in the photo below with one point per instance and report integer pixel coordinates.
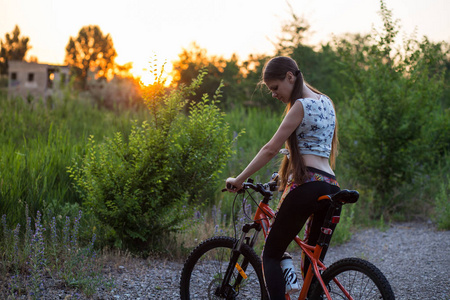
(414, 257)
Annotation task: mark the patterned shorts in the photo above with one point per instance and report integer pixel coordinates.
(312, 176)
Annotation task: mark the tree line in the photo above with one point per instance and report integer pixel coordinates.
(91, 56)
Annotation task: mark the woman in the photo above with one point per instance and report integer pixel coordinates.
(309, 130)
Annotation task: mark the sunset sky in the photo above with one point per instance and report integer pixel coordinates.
(143, 28)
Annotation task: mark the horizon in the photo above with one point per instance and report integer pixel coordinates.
(164, 28)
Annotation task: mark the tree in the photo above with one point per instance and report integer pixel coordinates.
(188, 67)
(91, 51)
(293, 34)
(318, 65)
(239, 78)
(393, 120)
(13, 48)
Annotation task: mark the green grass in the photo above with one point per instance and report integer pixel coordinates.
(39, 141)
(257, 126)
(254, 127)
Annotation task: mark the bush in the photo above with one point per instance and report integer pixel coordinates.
(144, 187)
(389, 136)
(442, 208)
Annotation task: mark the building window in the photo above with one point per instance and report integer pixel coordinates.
(50, 77)
(30, 77)
(14, 76)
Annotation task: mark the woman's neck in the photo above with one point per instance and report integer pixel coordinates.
(308, 93)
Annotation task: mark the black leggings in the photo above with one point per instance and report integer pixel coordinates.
(298, 205)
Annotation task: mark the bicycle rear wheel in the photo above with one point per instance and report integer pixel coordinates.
(205, 268)
(360, 278)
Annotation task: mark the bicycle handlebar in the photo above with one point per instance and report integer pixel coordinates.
(265, 189)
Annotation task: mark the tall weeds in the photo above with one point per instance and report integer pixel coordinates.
(38, 141)
(31, 260)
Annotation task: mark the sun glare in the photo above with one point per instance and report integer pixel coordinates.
(148, 75)
(146, 78)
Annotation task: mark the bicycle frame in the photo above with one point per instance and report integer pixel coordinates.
(240, 270)
(262, 218)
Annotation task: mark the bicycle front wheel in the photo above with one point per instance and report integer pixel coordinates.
(357, 277)
(204, 271)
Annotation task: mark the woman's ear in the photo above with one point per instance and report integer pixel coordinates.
(291, 77)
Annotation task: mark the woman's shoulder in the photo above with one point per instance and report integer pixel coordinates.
(322, 99)
(308, 101)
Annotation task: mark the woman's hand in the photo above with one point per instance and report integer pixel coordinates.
(233, 184)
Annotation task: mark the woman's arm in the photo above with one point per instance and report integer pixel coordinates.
(289, 124)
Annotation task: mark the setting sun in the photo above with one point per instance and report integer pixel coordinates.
(148, 74)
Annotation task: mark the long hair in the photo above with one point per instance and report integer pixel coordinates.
(277, 68)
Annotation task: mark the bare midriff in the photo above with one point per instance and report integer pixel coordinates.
(318, 162)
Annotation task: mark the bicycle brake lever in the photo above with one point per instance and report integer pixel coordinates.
(231, 187)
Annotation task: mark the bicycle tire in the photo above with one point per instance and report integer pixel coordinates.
(202, 275)
(359, 277)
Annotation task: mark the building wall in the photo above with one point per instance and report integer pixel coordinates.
(36, 80)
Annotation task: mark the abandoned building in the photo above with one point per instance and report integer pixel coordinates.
(36, 80)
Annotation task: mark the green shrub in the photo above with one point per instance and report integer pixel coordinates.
(443, 205)
(388, 132)
(144, 187)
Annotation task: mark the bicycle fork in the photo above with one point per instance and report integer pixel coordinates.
(227, 290)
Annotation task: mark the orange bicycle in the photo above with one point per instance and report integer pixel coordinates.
(224, 267)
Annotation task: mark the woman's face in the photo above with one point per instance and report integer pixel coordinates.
(282, 89)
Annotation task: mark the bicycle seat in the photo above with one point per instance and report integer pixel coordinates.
(346, 196)
(343, 196)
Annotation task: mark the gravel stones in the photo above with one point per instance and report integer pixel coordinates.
(415, 258)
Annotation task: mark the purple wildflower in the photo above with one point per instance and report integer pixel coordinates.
(16, 244)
